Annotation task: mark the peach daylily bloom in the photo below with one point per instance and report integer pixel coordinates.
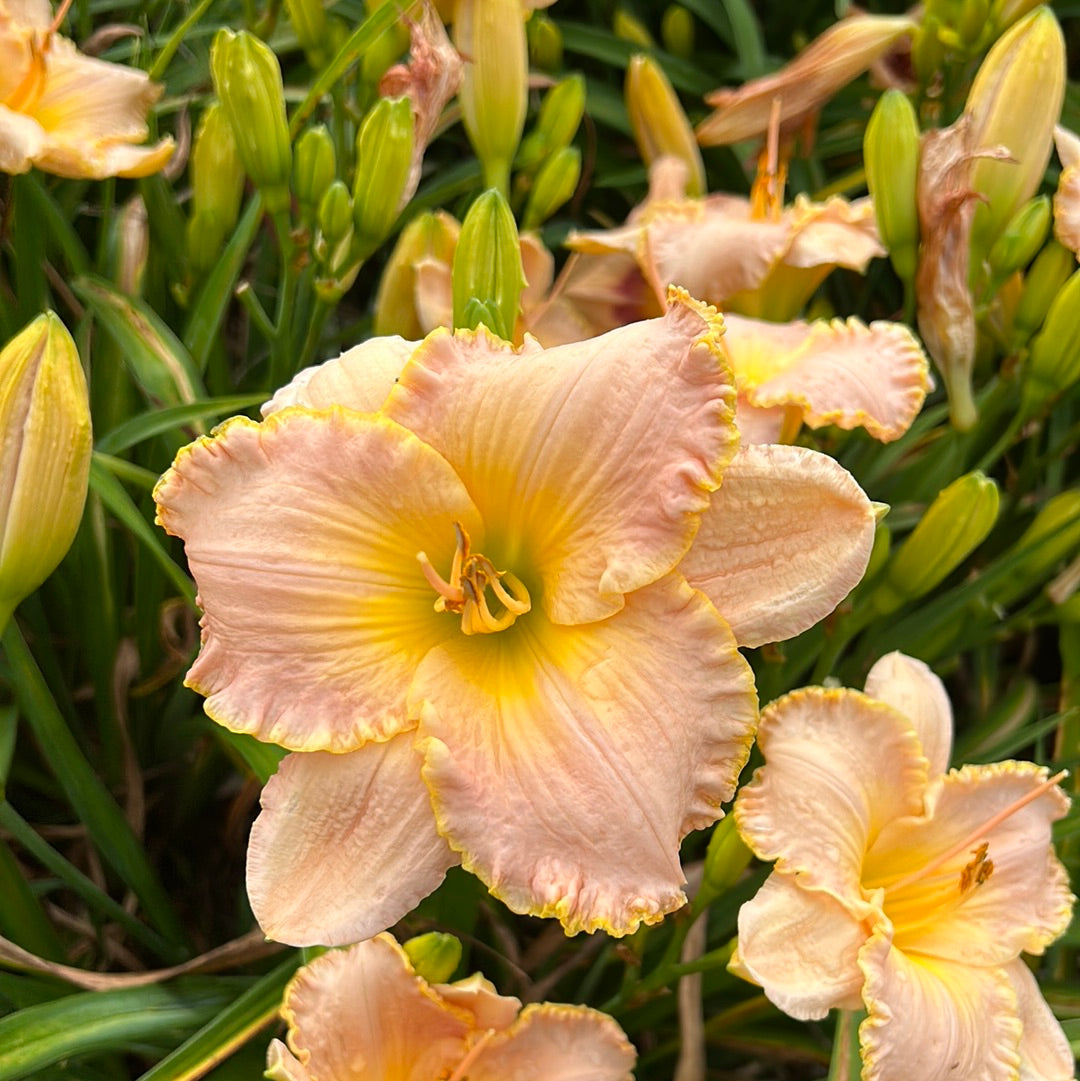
(902, 888)
(1067, 197)
(825, 372)
(68, 113)
(363, 1013)
(454, 578)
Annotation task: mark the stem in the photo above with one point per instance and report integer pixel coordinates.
(280, 362)
(846, 1062)
(314, 332)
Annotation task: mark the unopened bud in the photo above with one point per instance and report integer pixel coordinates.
(973, 26)
(433, 956)
(491, 36)
(1043, 281)
(132, 245)
(247, 78)
(1053, 536)
(629, 28)
(314, 168)
(677, 31)
(561, 112)
(308, 18)
(336, 213)
(44, 456)
(1021, 239)
(217, 174)
(488, 276)
(954, 524)
(545, 43)
(555, 183)
(384, 150)
(891, 153)
(725, 860)
(1054, 362)
(661, 128)
(205, 239)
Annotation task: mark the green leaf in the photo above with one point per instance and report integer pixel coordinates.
(749, 44)
(156, 421)
(261, 758)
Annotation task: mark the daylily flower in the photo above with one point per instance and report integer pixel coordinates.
(477, 615)
(68, 113)
(903, 888)
(1067, 198)
(825, 372)
(363, 1013)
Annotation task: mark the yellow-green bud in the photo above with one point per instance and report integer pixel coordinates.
(1014, 102)
(336, 213)
(954, 524)
(1054, 535)
(488, 276)
(205, 239)
(44, 456)
(927, 51)
(1043, 281)
(1020, 240)
(1054, 362)
(491, 36)
(660, 125)
(434, 956)
(308, 18)
(217, 174)
(1003, 13)
(677, 31)
(384, 151)
(725, 860)
(629, 28)
(554, 184)
(545, 43)
(561, 112)
(891, 153)
(314, 168)
(879, 553)
(973, 25)
(247, 78)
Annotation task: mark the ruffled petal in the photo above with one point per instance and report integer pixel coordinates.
(566, 763)
(801, 947)
(302, 533)
(556, 1043)
(838, 767)
(935, 1020)
(590, 463)
(359, 379)
(1022, 904)
(363, 1013)
(833, 233)
(282, 1065)
(839, 373)
(476, 994)
(1045, 1054)
(911, 688)
(345, 845)
(21, 141)
(1067, 196)
(785, 539)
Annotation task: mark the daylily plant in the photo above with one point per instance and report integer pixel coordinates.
(68, 113)
(363, 1013)
(1067, 196)
(494, 607)
(901, 888)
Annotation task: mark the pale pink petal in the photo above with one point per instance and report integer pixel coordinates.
(560, 773)
(784, 540)
(359, 379)
(935, 1020)
(345, 845)
(282, 1065)
(476, 994)
(759, 425)
(590, 462)
(302, 533)
(1045, 1054)
(801, 947)
(362, 1013)
(557, 1043)
(1025, 902)
(32, 13)
(838, 768)
(21, 141)
(911, 688)
(840, 373)
(833, 233)
(434, 293)
(1067, 197)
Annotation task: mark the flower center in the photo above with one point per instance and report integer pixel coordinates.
(472, 575)
(27, 94)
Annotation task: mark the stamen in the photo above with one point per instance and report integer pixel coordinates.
(462, 1067)
(448, 591)
(767, 192)
(58, 21)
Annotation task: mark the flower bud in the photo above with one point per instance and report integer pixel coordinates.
(205, 239)
(44, 456)
(1054, 362)
(308, 18)
(1054, 535)
(336, 213)
(954, 524)
(491, 35)
(217, 174)
(1003, 13)
(247, 78)
(891, 153)
(973, 25)
(1014, 102)
(1044, 279)
(628, 27)
(677, 31)
(561, 112)
(433, 956)
(314, 168)
(725, 860)
(1020, 240)
(545, 43)
(555, 183)
(660, 125)
(132, 249)
(384, 150)
(488, 276)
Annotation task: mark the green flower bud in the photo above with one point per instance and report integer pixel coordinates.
(336, 213)
(677, 31)
(973, 25)
(555, 183)
(1019, 242)
(927, 51)
(1047, 275)
(434, 956)
(660, 125)
(308, 18)
(247, 79)
(954, 524)
(44, 456)
(1054, 362)
(561, 112)
(629, 28)
(205, 239)
(314, 168)
(384, 152)
(217, 174)
(725, 860)
(545, 43)
(487, 272)
(891, 153)
(1054, 535)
